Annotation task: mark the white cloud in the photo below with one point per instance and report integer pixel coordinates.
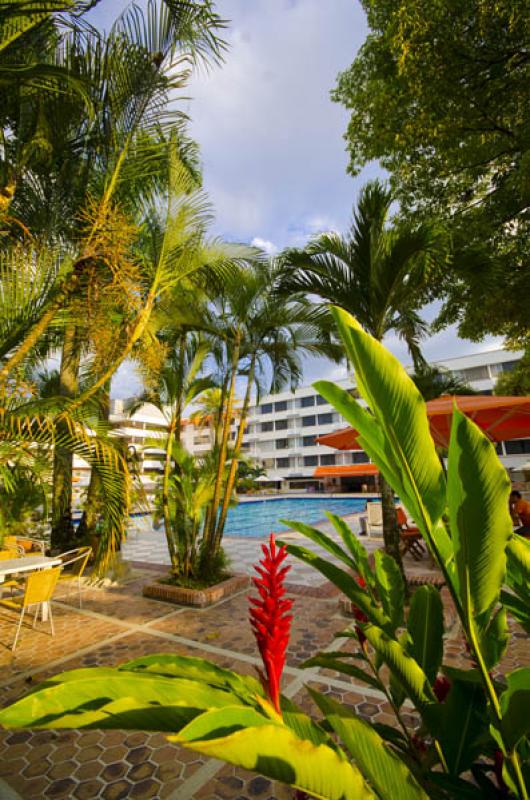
(269, 247)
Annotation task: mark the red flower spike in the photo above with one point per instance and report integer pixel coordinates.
(269, 618)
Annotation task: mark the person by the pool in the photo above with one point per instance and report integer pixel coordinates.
(520, 513)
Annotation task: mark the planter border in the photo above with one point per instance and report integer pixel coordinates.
(198, 598)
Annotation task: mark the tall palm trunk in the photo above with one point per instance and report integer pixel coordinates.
(391, 534)
(63, 532)
(235, 456)
(209, 541)
(217, 425)
(168, 524)
(89, 519)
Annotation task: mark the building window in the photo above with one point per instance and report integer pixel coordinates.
(307, 421)
(321, 401)
(359, 457)
(266, 426)
(310, 461)
(266, 408)
(283, 463)
(328, 460)
(309, 441)
(267, 463)
(308, 402)
(268, 445)
(325, 419)
(472, 374)
(281, 425)
(281, 405)
(282, 444)
(517, 447)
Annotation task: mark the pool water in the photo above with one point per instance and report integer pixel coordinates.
(258, 518)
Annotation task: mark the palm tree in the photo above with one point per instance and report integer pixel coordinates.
(266, 335)
(433, 382)
(377, 272)
(179, 383)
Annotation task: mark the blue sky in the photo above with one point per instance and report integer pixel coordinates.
(271, 139)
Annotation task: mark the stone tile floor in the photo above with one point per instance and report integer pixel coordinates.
(116, 624)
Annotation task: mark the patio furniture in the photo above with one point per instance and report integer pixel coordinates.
(31, 546)
(374, 518)
(10, 543)
(410, 536)
(38, 591)
(19, 566)
(74, 563)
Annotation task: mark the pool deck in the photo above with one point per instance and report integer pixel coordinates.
(145, 546)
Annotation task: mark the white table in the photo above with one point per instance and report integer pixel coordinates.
(18, 566)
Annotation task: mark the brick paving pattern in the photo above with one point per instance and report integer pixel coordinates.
(116, 624)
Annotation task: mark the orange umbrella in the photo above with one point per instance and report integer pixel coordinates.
(500, 418)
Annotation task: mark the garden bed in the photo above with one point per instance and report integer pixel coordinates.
(201, 598)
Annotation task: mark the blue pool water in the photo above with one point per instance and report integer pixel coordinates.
(260, 517)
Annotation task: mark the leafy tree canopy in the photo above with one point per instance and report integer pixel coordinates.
(439, 95)
(516, 382)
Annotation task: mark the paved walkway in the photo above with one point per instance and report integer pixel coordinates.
(117, 624)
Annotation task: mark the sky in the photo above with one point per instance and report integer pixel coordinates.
(271, 140)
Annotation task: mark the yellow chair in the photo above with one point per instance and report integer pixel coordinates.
(39, 589)
(7, 555)
(10, 543)
(74, 564)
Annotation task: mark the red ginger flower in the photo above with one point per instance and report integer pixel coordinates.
(269, 618)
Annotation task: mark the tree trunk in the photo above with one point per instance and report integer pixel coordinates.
(209, 540)
(63, 531)
(235, 456)
(89, 519)
(390, 525)
(168, 525)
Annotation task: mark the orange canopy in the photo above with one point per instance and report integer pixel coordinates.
(500, 418)
(345, 471)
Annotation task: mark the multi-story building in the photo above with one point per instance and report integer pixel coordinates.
(282, 431)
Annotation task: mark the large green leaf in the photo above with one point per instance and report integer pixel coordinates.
(515, 707)
(400, 412)
(274, 750)
(390, 587)
(494, 640)
(518, 552)
(518, 607)
(169, 664)
(335, 661)
(461, 725)
(478, 490)
(425, 625)
(346, 583)
(357, 550)
(388, 775)
(322, 540)
(404, 668)
(87, 697)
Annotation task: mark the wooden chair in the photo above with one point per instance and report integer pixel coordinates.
(410, 536)
(39, 589)
(74, 564)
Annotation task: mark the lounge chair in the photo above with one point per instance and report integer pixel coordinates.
(374, 518)
(410, 536)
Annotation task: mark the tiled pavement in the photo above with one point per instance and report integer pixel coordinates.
(117, 624)
(145, 545)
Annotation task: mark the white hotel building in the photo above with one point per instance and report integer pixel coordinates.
(282, 429)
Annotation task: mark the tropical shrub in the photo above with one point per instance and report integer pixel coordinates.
(471, 735)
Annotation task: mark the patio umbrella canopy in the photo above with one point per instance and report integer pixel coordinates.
(501, 419)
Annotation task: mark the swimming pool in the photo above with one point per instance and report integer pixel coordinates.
(259, 517)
